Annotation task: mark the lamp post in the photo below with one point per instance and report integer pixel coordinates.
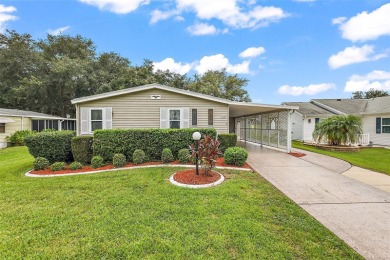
(196, 136)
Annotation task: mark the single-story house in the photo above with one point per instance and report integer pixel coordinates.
(12, 120)
(375, 114)
(158, 106)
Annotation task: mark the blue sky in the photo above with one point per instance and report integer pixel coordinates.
(291, 50)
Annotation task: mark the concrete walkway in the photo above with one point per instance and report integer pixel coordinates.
(356, 212)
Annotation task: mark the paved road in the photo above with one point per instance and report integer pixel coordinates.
(356, 212)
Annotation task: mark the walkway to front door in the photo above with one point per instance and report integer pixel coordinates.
(357, 213)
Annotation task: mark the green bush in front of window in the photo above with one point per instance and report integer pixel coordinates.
(82, 149)
(227, 141)
(54, 146)
(106, 143)
(167, 156)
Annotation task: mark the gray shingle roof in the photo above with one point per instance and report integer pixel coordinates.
(347, 106)
(17, 112)
(378, 105)
(309, 109)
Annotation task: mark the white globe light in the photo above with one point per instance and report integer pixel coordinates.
(196, 136)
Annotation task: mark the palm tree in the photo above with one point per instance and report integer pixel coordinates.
(338, 130)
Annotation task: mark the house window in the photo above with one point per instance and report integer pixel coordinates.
(194, 116)
(211, 117)
(174, 118)
(96, 119)
(317, 120)
(386, 125)
(2, 128)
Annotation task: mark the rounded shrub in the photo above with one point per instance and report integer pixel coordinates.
(235, 156)
(82, 149)
(166, 155)
(41, 163)
(139, 156)
(75, 166)
(119, 160)
(17, 138)
(58, 166)
(97, 161)
(184, 155)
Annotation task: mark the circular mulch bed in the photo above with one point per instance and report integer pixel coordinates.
(189, 177)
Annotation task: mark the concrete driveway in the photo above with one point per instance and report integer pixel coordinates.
(356, 212)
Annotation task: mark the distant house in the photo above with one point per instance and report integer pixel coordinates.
(12, 120)
(375, 115)
(158, 106)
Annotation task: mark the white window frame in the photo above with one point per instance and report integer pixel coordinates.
(169, 119)
(90, 118)
(165, 117)
(382, 125)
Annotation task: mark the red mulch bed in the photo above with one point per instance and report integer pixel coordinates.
(297, 154)
(190, 177)
(220, 162)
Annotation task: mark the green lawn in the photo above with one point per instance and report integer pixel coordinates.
(376, 159)
(139, 214)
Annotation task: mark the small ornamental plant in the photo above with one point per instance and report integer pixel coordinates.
(208, 151)
(41, 163)
(184, 155)
(97, 161)
(119, 160)
(58, 166)
(75, 166)
(166, 155)
(139, 156)
(235, 156)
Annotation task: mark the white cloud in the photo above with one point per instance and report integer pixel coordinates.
(311, 89)
(377, 79)
(252, 52)
(218, 62)
(234, 13)
(339, 20)
(354, 54)
(58, 31)
(204, 29)
(117, 6)
(158, 15)
(5, 16)
(171, 65)
(367, 26)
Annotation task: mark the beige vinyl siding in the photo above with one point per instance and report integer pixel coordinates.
(369, 127)
(11, 128)
(138, 110)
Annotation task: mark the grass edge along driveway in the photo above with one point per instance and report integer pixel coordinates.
(376, 159)
(139, 214)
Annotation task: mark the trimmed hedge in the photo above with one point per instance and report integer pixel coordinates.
(54, 146)
(235, 156)
(227, 141)
(106, 143)
(139, 156)
(82, 149)
(119, 160)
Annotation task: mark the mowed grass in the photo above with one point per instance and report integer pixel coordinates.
(138, 214)
(376, 159)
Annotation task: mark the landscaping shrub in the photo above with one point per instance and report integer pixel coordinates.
(184, 155)
(119, 160)
(17, 138)
(97, 161)
(235, 156)
(75, 166)
(82, 149)
(48, 130)
(208, 151)
(106, 143)
(58, 166)
(139, 156)
(227, 141)
(166, 155)
(41, 163)
(54, 146)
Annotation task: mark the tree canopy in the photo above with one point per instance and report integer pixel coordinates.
(45, 75)
(372, 93)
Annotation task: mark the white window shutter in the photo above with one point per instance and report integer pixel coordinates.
(108, 118)
(84, 120)
(185, 119)
(163, 118)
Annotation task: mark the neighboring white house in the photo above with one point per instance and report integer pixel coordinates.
(12, 120)
(158, 106)
(375, 115)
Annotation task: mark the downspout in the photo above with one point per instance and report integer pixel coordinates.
(22, 117)
(60, 124)
(289, 130)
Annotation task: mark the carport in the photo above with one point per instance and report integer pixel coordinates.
(268, 125)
